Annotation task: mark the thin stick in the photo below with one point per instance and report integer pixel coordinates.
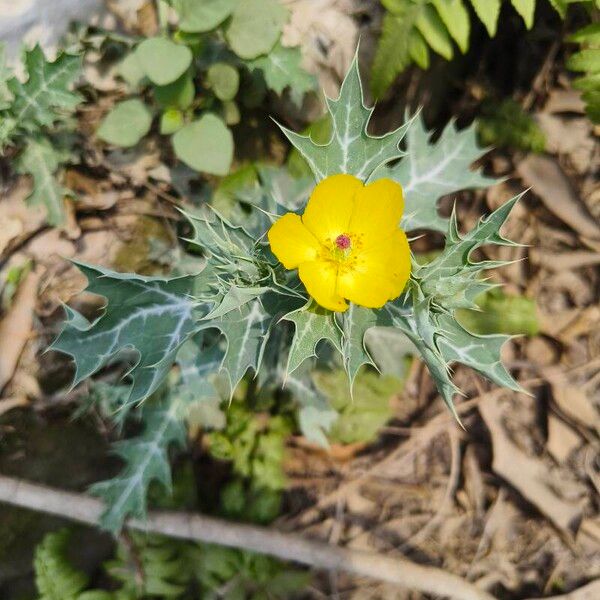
(85, 509)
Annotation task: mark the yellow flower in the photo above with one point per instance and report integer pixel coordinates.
(347, 245)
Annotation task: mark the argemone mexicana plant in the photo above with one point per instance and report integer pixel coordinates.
(267, 287)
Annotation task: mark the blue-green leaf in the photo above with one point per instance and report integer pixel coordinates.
(146, 460)
(47, 90)
(151, 316)
(432, 170)
(312, 324)
(282, 70)
(41, 160)
(351, 149)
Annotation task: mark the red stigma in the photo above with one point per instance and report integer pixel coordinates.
(343, 242)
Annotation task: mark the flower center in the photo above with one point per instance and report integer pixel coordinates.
(343, 242)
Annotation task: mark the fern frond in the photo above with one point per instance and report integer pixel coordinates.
(55, 578)
(412, 27)
(587, 61)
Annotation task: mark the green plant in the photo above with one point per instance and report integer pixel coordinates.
(411, 28)
(35, 123)
(506, 124)
(587, 61)
(150, 566)
(499, 313)
(57, 579)
(254, 443)
(246, 314)
(193, 77)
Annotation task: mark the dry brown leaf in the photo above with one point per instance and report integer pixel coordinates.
(328, 35)
(530, 476)
(50, 245)
(133, 164)
(574, 284)
(18, 219)
(568, 324)
(559, 261)
(562, 440)
(591, 591)
(572, 400)
(16, 326)
(569, 137)
(541, 351)
(7, 404)
(548, 181)
(564, 101)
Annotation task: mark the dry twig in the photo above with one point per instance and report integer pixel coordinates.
(86, 509)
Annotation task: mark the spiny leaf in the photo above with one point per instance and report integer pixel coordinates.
(146, 460)
(426, 313)
(432, 170)
(315, 416)
(152, 316)
(146, 456)
(355, 323)
(481, 353)
(281, 69)
(419, 329)
(312, 324)
(351, 149)
(41, 160)
(233, 299)
(451, 278)
(46, 92)
(246, 330)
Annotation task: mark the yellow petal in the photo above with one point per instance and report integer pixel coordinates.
(330, 206)
(291, 242)
(320, 279)
(378, 274)
(377, 211)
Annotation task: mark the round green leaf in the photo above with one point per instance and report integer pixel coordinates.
(224, 80)
(162, 60)
(126, 124)
(202, 15)
(131, 70)
(255, 27)
(231, 112)
(171, 121)
(205, 145)
(179, 94)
